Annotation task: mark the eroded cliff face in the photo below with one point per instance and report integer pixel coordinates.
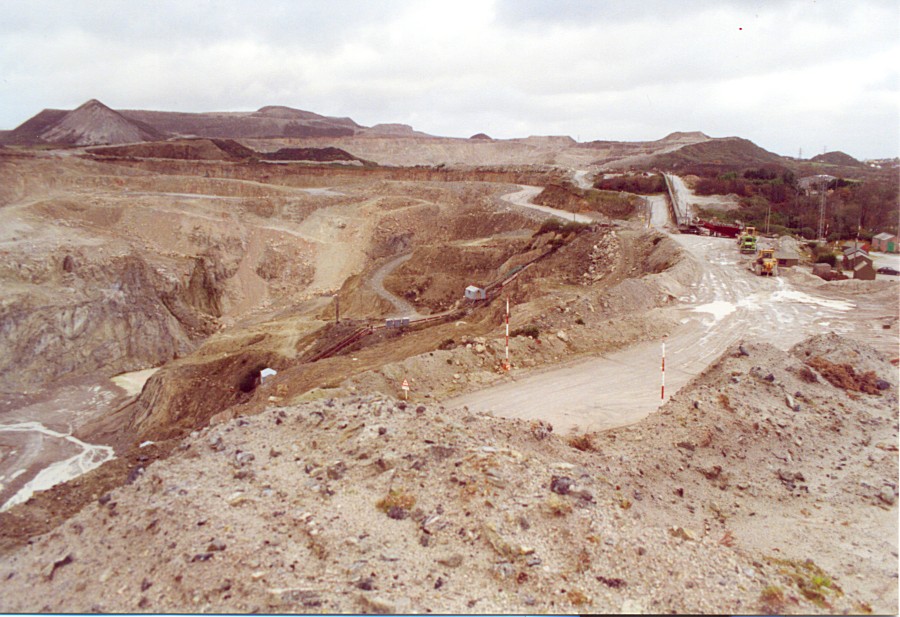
(78, 313)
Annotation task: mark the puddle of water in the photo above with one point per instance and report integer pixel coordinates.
(322, 191)
(790, 295)
(719, 309)
(90, 457)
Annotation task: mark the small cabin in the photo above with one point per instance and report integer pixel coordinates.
(853, 255)
(475, 293)
(787, 258)
(863, 270)
(885, 243)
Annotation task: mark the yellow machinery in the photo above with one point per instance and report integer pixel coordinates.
(747, 231)
(765, 263)
(747, 241)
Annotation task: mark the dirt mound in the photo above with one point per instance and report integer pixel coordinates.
(367, 503)
(309, 154)
(436, 275)
(29, 131)
(186, 149)
(756, 448)
(837, 158)
(94, 123)
(730, 152)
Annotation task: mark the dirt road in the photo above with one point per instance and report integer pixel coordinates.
(401, 306)
(725, 303)
(523, 199)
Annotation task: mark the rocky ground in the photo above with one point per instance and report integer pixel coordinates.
(761, 487)
(767, 484)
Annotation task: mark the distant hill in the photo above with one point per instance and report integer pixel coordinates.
(90, 124)
(266, 123)
(837, 158)
(731, 152)
(93, 123)
(201, 149)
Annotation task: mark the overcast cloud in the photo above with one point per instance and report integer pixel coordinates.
(786, 74)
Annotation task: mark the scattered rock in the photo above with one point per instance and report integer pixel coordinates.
(453, 561)
(561, 335)
(397, 513)
(683, 533)
(791, 403)
(377, 605)
(336, 471)
(789, 478)
(614, 583)
(888, 496)
(52, 567)
(308, 598)
(134, 474)
(561, 485)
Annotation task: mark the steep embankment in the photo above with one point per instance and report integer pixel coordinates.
(371, 504)
(80, 313)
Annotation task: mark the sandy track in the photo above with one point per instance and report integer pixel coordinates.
(401, 306)
(523, 197)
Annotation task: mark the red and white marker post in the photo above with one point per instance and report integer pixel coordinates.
(506, 364)
(662, 391)
(405, 387)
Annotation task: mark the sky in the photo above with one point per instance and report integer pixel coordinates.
(797, 77)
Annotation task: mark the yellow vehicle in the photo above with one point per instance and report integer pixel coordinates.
(765, 263)
(747, 231)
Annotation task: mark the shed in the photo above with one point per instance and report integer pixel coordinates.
(821, 270)
(787, 258)
(864, 270)
(853, 255)
(475, 293)
(885, 243)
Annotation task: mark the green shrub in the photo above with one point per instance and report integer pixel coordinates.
(552, 224)
(530, 330)
(574, 227)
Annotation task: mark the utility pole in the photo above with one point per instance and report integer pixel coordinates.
(820, 231)
(337, 309)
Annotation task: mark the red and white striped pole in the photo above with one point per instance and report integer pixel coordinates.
(662, 390)
(507, 333)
